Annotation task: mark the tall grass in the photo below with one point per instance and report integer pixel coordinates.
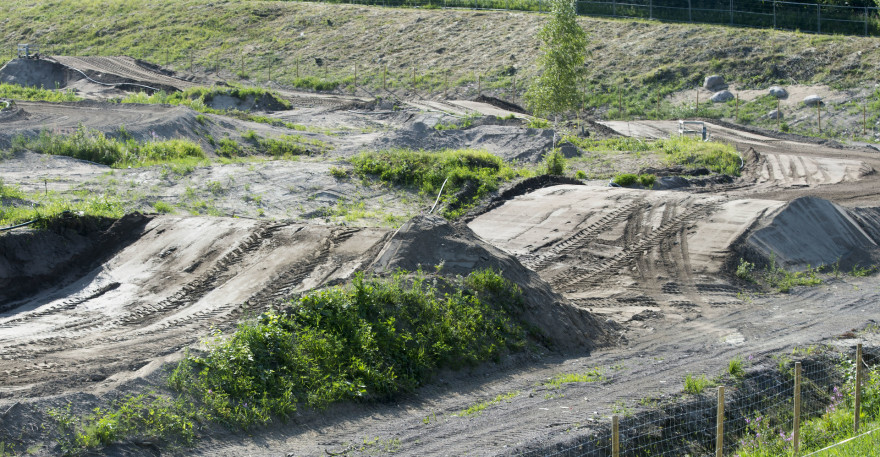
(369, 340)
(199, 97)
(472, 174)
(16, 92)
(94, 146)
(17, 206)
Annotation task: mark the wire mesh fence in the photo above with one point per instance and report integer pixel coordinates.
(759, 410)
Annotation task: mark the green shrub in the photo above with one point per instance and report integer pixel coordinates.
(580, 175)
(694, 153)
(647, 181)
(696, 385)
(744, 270)
(735, 368)
(16, 92)
(477, 171)
(371, 339)
(162, 207)
(625, 179)
(94, 146)
(554, 163)
(538, 123)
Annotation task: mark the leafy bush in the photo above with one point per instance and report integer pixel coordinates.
(472, 174)
(94, 146)
(694, 153)
(744, 270)
(538, 123)
(735, 368)
(372, 339)
(625, 179)
(16, 92)
(162, 207)
(580, 175)
(554, 163)
(696, 385)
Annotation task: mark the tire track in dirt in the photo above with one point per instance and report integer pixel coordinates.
(581, 238)
(594, 276)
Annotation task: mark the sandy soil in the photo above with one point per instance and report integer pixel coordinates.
(636, 282)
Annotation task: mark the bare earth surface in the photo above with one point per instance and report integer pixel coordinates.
(641, 280)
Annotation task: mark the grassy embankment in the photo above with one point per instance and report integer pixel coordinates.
(300, 44)
(366, 341)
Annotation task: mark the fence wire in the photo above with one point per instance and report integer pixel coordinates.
(759, 406)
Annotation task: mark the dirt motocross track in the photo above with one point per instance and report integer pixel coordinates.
(637, 282)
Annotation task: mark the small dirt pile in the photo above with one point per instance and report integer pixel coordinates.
(427, 241)
(508, 142)
(38, 73)
(810, 231)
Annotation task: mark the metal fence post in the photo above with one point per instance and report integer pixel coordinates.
(614, 8)
(651, 9)
(690, 12)
(731, 12)
(818, 18)
(774, 14)
(858, 402)
(866, 21)
(796, 426)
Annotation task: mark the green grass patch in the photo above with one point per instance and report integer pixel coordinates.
(369, 340)
(94, 146)
(695, 385)
(16, 92)
(695, 153)
(477, 409)
(629, 179)
(595, 375)
(17, 206)
(765, 436)
(198, 98)
(472, 174)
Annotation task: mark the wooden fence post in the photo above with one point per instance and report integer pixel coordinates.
(697, 109)
(615, 436)
(796, 427)
(479, 85)
(719, 425)
(865, 119)
(736, 110)
(619, 102)
(778, 114)
(819, 114)
(385, 77)
(858, 402)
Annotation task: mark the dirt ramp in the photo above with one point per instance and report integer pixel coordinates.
(811, 231)
(38, 73)
(789, 170)
(427, 241)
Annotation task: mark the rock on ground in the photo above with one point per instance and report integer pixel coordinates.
(722, 96)
(714, 82)
(778, 92)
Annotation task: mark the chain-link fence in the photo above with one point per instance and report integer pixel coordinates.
(723, 421)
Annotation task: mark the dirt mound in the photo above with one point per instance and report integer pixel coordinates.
(427, 241)
(38, 73)
(508, 142)
(810, 231)
(33, 260)
(523, 187)
(128, 73)
(501, 104)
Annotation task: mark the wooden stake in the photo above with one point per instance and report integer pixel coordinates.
(658, 104)
(736, 110)
(615, 436)
(819, 112)
(619, 102)
(858, 402)
(796, 430)
(297, 68)
(445, 84)
(385, 77)
(355, 76)
(697, 109)
(479, 85)
(414, 78)
(719, 424)
(864, 120)
(778, 114)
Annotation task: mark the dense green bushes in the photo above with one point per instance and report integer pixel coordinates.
(472, 174)
(369, 340)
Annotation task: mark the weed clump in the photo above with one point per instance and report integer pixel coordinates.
(369, 340)
(472, 174)
(16, 92)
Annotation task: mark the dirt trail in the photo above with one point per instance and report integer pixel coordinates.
(163, 292)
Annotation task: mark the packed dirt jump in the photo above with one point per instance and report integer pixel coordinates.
(640, 280)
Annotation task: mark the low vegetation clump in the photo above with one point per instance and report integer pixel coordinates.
(94, 146)
(17, 207)
(694, 153)
(767, 436)
(595, 375)
(369, 340)
(198, 98)
(16, 92)
(695, 385)
(472, 174)
(629, 179)
(477, 409)
(554, 163)
(778, 278)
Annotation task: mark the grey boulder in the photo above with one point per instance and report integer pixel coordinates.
(722, 96)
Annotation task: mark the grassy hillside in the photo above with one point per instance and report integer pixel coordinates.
(320, 45)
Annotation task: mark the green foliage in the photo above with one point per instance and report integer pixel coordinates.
(339, 173)
(538, 123)
(18, 207)
(629, 179)
(162, 207)
(466, 122)
(315, 83)
(16, 92)
(472, 174)
(735, 368)
(580, 175)
(198, 98)
(694, 153)
(477, 409)
(782, 280)
(554, 163)
(696, 385)
(744, 270)
(595, 375)
(94, 146)
(766, 437)
(141, 417)
(561, 63)
(371, 339)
